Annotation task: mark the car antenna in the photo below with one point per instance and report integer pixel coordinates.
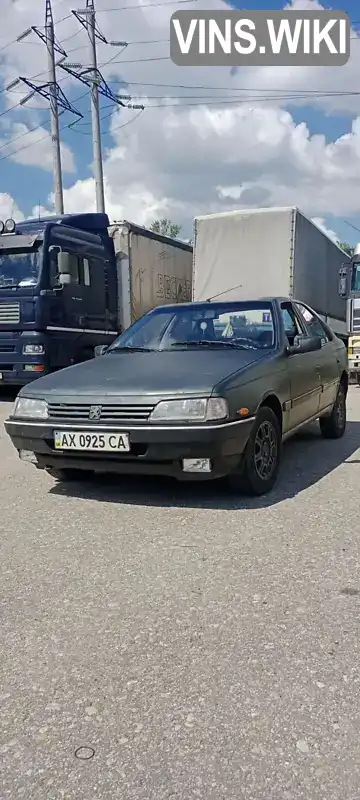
(209, 299)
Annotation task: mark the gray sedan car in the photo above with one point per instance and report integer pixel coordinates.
(193, 391)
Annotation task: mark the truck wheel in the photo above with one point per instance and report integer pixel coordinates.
(334, 427)
(260, 463)
(66, 475)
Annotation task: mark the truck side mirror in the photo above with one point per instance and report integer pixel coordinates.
(343, 273)
(65, 263)
(64, 278)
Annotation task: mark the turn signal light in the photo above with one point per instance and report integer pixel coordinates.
(34, 367)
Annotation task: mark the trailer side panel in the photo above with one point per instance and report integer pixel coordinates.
(317, 261)
(243, 254)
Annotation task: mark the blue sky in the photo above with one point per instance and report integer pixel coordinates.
(29, 185)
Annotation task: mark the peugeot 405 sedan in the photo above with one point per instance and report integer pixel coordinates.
(193, 391)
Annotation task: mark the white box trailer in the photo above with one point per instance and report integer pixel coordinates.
(152, 270)
(269, 251)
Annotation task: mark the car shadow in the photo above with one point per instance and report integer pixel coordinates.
(307, 458)
(8, 394)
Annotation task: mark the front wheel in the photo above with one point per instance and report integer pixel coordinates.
(334, 427)
(260, 463)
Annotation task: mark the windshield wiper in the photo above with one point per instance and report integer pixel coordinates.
(132, 350)
(215, 343)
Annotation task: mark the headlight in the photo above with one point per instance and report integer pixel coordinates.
(30, 409)
(191, 410)
(33, 349)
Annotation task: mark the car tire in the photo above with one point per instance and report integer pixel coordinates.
(260, 463)
(66, 475)
(334, 426)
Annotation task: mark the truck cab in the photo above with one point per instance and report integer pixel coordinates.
(58, 294)
(349, 287)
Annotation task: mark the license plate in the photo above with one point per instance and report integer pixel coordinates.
(95, 442)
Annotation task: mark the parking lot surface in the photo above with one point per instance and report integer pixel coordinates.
(168, 641)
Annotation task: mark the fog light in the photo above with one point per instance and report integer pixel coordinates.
(34, 367)
(27, 455)
(196, 465)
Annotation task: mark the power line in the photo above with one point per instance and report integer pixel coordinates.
(147, 5)
(134, 7)
(46, 136)
(35, 128)
(204, 102)
(223, 88)
(351, 225)
(106, 116)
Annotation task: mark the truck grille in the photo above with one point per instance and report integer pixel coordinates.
(79, 412)
(7, 348)
(9, 313)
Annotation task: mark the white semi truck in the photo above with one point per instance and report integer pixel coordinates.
(349, 290)
(269, 251)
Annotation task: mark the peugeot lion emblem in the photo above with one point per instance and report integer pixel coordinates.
(95, 412)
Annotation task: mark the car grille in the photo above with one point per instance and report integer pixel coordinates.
(79, 412)
(9, 313)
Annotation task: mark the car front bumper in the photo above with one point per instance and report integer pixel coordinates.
(154, 450)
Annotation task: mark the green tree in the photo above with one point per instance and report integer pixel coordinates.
(165, 227)
(348, 249)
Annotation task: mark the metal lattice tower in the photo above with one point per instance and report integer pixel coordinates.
(51, 92)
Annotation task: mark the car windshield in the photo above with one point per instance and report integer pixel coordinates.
(19, 269)
(246, 326)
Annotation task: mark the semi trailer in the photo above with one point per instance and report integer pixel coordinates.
(269, 251)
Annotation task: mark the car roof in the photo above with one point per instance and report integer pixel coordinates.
(219, 303)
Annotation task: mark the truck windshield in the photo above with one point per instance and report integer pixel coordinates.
(247, 326)
(355, 284)
(20, 269)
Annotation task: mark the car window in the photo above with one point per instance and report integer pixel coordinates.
(291, 323)
(312, 323)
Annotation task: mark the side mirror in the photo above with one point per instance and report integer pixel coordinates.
(304, 344)
(343, 278)
(55, 249)
(65, 263)
(100, 350)
(64, 279)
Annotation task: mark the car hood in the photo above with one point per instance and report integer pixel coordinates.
(157, 373)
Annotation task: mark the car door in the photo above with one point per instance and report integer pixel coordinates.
(66, 307)
(304, 371)
(327, 357)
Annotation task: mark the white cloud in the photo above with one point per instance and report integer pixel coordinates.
(320, 222)
(8, 208)
(207, 160)
(40, 155)
(180, 161)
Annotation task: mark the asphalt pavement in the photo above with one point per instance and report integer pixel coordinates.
(166, 641)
